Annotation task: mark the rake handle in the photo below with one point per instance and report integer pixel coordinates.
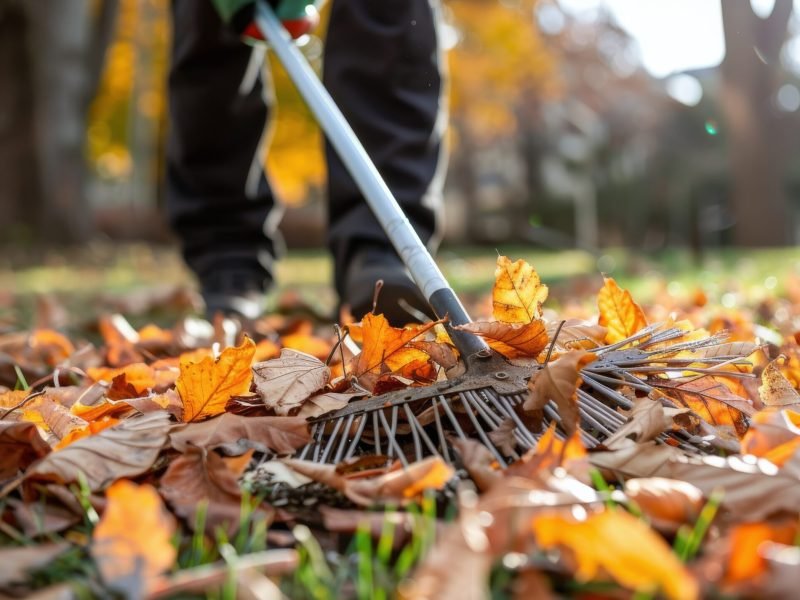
(384, 205)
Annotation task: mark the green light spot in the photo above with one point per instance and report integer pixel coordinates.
(711, 128)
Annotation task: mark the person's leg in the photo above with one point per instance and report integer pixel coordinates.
(218, 199)
(382, 67)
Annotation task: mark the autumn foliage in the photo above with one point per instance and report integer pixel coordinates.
(147, 447)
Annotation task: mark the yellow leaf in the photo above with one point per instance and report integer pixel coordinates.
(205, 387)
(131, 544)
(620, 544)
(618, 312)
(138, 375)
(518, 292)
(385, 346)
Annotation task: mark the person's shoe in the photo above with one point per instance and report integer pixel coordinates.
(234, 293)
(399, 300)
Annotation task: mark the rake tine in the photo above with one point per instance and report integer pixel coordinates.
(414, 433)
(637, 336)
(599, 408)
(613, 395)
(332, 439)
(393, 430)
(318, 441)
(362, 424)
(587, 416)
(308, 446)
(392, 441)
(452, 417)
(481, 433)
(343, 443)
(440, 431)
(525, 436)
(490, 418)
(425, 438)
(377, 432)
(614, 381)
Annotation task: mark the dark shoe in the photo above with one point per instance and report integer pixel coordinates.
(234, 293)
(399, 300)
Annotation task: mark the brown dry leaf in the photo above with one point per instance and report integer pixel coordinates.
(139, 376)
(205, 387)
(385, 348)
(285, 383)
(575, 333)
(558, 381)
(666, 502)
(125, 450)
(282, 435)
(511, 340)
(618, 312)
(200, 476)
(710, 399)
(754, 489)
(401, 484)
(518, 293)
(727, 349)
(132, 543)
(53, 417)
(621, 545)
(41, 518)
(479, 462)
(775, 389)
(646, 421)
(20, 445)
(16, 563)
(745, 563)
(442, 353)
(120, 339)
(91, 428)
(322, 403)
(452, 570)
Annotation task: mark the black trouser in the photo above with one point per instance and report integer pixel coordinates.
(381, 67)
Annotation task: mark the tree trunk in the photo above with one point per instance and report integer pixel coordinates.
(749, 82)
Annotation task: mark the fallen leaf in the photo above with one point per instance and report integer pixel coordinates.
(20, 445)
(285, 383)
(139, 376)
(53, 417)
(323, 403)
(120, 339)
(125, 450)
(575, 334)
(282, 435)
(132, 543)
(667, 503)
(550, 453)
(621, 545)
(775, 389)
(385, 347)
(50, 346)
(442, 353)
(41, 518)
(773, 435)
(618, 312)
(478, 461)
(558, 381)
(709, 399)
(206, 386)
(511, 340)
(518, 293)
(745, 563)
(646, 421)
(398, 485)
(200, 477)
(17, 563)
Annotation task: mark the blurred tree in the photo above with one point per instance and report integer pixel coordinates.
(751, 74)
(50, 60)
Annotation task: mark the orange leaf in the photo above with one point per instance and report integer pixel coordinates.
(85, 431)
(620, 544)
(205, 387)
(120, 338)
(139, 375)
(549, 453)
(773, 435)
(385, 346)
(710, 400)
(131, 544)
(745, 562)
(50, 344)
(518, 292)
(618, 312)
(668, 503)
(512, 341)
(558, 381)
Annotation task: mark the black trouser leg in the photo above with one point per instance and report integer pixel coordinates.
(382, 68)
(217, 197)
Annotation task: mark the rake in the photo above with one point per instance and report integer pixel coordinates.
(485, 401)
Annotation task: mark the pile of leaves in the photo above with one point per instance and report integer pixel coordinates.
(160, 462)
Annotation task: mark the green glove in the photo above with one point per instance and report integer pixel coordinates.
(298, 16)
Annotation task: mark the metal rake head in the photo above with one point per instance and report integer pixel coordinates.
(421, 421)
